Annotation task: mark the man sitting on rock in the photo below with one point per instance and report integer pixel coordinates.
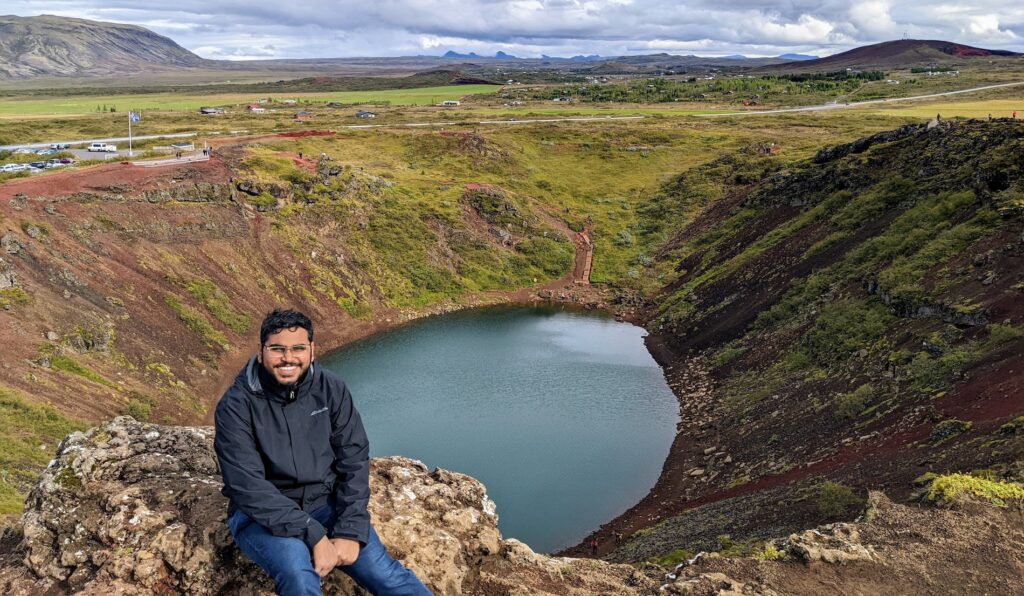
(295, 461)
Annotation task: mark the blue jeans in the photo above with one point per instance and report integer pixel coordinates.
(290, 563)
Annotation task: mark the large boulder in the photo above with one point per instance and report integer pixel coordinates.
(134, 508)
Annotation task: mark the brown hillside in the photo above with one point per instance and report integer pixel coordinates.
(856, 319)
(902, 53)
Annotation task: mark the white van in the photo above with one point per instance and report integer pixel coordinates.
(103, 147)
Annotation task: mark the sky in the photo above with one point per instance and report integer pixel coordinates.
(259, 29)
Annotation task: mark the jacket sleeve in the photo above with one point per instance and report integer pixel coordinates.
(245, 482)
(352, 465)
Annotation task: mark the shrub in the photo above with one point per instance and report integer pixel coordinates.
(66, 364)
(139, 410)
(624, 238)
(947, 429)
(852, 404)
(835, 499)
(951, 488)
(845, 326)
(727, 355)
(217, 302)
(14, 297)
(770, 553)
(673, 558)
(197, 322)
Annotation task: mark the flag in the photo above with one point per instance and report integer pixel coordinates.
(134, 117)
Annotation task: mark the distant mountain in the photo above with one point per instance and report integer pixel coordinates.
(453, 54)
(798, 57)
(576, 58)
(734, 57)
(903, 53)
(59, 46)
(499, 55)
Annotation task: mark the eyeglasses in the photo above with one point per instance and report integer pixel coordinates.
(282, 351)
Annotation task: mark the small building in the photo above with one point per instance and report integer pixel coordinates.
(255, 109)
(207, 111)
(450, 103)
(365, 114)
(304, 116)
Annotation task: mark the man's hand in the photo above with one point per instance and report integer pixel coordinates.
(325, 557)
(348, 550)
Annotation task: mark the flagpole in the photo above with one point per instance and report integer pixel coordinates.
(130, 154)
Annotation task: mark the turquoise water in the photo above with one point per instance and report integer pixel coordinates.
(563, 415)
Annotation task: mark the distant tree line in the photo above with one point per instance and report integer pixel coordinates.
(731, 89)
(835, 75)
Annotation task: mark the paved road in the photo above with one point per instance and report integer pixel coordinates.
(836, 106)
(179, 135)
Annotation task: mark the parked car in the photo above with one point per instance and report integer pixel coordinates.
(60, 146)
(8, 167)
(21, 167)
(102, 147)
(38, 164)
(66, 161)
(46, 151)
(55, 163)
(24, 151)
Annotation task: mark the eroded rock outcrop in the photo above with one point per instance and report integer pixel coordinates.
(134, 508)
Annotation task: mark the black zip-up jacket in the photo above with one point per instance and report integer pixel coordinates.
(285, 451)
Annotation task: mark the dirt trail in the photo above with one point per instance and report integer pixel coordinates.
(584, 257)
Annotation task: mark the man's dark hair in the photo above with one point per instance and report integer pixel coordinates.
(284, 319)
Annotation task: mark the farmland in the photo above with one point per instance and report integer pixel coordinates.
(29, 106)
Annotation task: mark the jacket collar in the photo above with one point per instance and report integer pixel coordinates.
(255, 384)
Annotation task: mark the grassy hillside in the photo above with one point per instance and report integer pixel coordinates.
(857, 316)
(138, 291)
(50, 45)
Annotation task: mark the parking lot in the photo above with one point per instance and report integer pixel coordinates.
(82, 154)
(50, 158)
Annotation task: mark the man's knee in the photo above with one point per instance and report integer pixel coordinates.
(297, 579)
(381, 574)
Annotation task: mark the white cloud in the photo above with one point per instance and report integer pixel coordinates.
(334, 28)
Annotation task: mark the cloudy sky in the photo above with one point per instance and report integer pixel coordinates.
(249, 29)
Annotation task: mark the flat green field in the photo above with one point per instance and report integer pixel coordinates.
(72, 106)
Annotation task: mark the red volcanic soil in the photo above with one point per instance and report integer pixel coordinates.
(298, 134)
(105, 177)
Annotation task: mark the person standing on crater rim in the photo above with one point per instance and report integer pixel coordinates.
(295, 462)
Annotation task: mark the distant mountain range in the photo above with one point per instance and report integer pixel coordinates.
(504, 56)
(50, 46)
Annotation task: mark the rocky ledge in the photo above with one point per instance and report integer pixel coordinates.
(134, 508)
(130, 508)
